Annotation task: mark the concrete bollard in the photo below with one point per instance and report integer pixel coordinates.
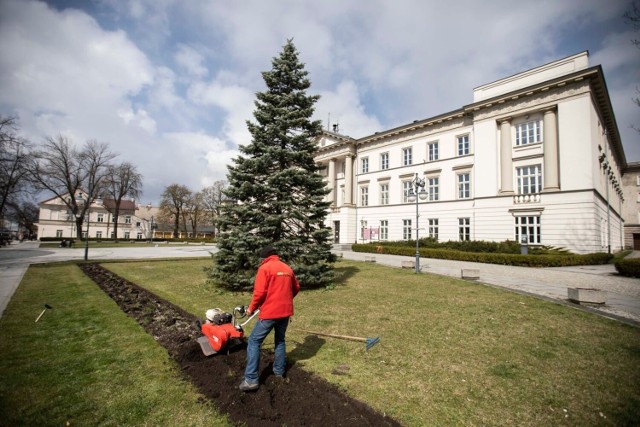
(408, 264)
(470, 273)
(586, 296)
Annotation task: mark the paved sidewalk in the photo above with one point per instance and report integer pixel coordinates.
(623, 293)
(16, 258)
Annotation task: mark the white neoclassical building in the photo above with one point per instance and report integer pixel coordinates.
(536, 156)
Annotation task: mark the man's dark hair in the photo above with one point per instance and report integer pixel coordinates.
(267, 251)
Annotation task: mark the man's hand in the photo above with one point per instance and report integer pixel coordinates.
(249, 312)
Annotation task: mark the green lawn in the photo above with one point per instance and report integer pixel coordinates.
(451, 352)
(85, 362)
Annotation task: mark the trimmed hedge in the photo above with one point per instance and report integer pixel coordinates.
(628, 267)
(556, 260)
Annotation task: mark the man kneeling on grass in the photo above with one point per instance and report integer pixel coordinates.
(273, 292)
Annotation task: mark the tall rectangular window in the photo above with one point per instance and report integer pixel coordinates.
(139, 236)
(529, 133)
(363, 226)
(463, 145)
(464, 186)
(407, 156)
(58, 233)
(384, 161)
(406, 229)
(529, 179)
(433, 187)
(384, 194)
(528, 227)
(433, 151)
(127, 234)
(464, 228)
(127, 219)
(364, 196)
(365, 165)
(406, 188)
(98, 234)
(433, 228)
(100, 217)
(384, 229)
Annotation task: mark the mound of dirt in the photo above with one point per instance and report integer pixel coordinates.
(302, 399)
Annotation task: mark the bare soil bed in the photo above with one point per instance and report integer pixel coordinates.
(303, 399)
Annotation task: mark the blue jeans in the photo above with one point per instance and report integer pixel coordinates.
(259, 333)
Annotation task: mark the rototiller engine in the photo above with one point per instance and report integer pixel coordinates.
(222, 331)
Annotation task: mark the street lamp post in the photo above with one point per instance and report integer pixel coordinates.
(86, 240)
(416, 193)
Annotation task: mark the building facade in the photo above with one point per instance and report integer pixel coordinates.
(537, 157)
(631, 206)
(134, 222)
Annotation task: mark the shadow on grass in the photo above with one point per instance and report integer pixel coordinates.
(306, 349)
(342, 274)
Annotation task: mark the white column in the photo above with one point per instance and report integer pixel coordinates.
(348, 177)
(550, 144)
(331, 175)
(506, 161)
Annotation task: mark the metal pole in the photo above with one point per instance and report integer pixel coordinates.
(86, 240)
(417, 231)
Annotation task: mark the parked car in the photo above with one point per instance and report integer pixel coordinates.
(5, 237)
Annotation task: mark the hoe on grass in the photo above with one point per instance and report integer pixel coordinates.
(46, 306)
(369, 342)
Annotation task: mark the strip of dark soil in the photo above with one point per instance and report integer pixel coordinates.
(302, 399)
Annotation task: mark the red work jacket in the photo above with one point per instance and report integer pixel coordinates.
(274, 289)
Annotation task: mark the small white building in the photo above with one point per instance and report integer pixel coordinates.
(536, 156)
(56, 221)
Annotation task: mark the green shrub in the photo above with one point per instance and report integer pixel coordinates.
(544, 260)
(628, 267)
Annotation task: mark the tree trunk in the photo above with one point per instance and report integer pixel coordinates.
(79, 222)
(115, 222)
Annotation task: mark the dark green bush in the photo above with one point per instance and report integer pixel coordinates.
(545, 260)
(628, 267)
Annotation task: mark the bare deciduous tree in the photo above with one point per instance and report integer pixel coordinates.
(213, 197)
(632, 17)
(75, 176)
(122, 181)
(174, 200)
(195, 212)
(25, 213)
(14, 165)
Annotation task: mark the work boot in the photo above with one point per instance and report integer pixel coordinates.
(245, 386)
(281, 378)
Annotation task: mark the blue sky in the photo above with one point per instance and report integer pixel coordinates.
(170, 84)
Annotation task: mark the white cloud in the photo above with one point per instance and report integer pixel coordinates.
(140, 118)
(346, 110)
(236, 101)
(191, 60)
(171, 84)
(64, 64)
(209, 154)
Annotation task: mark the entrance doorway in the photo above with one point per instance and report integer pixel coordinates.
(636, 241)
(336, 231)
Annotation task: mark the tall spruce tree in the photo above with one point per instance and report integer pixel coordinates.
(279, 198)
